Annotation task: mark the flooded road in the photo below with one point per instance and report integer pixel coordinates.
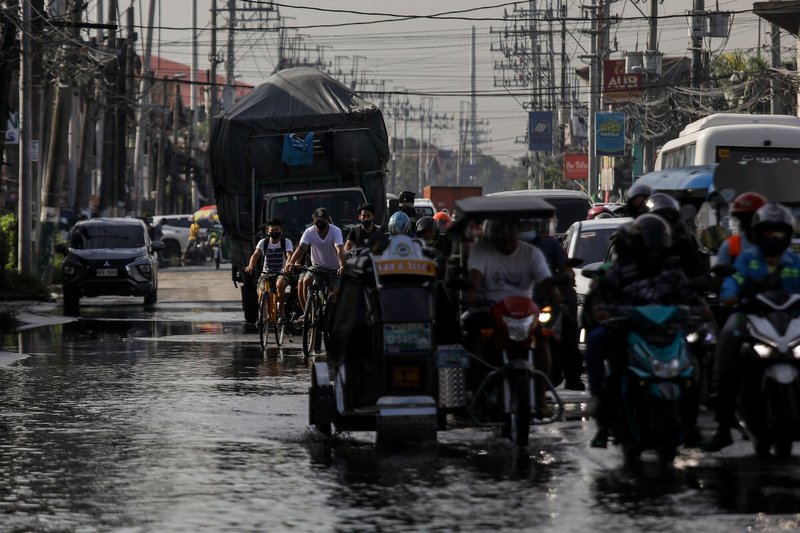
(173, 420)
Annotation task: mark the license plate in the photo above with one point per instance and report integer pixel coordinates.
(451, 356)
(106, 272)
(406, 377)
(407, 338)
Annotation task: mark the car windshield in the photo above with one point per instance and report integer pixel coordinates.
(294, 210)
(591, 245)
(97, 236)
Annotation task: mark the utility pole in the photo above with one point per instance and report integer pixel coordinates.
(53, 180)
(25, 168)
(141, 177)
(594, 92)
(698, 27)
(227, 91)
(649, 152)
(776, 106)
(473, 146)
(193, 86)
(108, 186)
(212, 82)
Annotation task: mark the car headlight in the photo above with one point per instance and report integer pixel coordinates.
(763, 350)
(145, 269)
(69, 270)
(796, 351)
(518, 328)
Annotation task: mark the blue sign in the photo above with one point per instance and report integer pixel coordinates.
(540, 131)
(609, 134)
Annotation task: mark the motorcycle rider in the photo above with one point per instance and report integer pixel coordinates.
(399, 224)
(683, 247)
(327, 249)
(770, 260)
(428, 231)
(358, 235)
(276, 250)
(635, 198)
(640, 275)
(503, 265)
(442, 220)
(742, 210)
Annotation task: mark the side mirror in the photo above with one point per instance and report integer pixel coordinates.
(592, 270)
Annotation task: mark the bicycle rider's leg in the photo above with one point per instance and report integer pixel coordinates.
(302, 288)
(280, 286)
(261, 286)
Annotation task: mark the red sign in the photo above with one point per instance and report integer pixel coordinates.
(619, 85)
(576, 166)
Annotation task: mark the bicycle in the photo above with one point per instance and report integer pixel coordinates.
(268, 314)
(315, 314)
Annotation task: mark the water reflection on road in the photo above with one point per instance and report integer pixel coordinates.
(180, 423)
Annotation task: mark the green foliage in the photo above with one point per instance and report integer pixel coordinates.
(8, 241)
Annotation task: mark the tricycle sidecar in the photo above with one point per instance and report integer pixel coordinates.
(379, 372)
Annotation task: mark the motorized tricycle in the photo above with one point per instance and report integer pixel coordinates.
(487, 372)
(378, 373)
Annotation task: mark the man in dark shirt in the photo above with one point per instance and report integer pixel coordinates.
(358, 235)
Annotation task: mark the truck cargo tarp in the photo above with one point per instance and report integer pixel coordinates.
(249, 136)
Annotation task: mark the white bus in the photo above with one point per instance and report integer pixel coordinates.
(732, 136)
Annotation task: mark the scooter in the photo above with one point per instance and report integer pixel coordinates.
(769, 402)
(653, 390)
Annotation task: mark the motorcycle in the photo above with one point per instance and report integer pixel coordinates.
(501, 388)
(769, 400)
(652, 393)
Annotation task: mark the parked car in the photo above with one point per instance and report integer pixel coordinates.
(175, 233)
(570, 205)
(424, 207)
(588, 240)
(109, 257)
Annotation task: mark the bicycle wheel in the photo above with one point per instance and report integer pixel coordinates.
(263, 321)
(310, 324)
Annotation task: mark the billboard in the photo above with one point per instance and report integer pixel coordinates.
(540, 131)
(576, 166)
(618, 85)
(609, 134)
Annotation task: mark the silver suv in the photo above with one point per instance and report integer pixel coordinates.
(175, 233)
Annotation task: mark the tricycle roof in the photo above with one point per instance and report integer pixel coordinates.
(504, 207)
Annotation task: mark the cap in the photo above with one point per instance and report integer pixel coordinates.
(406, 197)
(321, 213)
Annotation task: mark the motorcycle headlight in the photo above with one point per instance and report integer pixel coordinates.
(796, 351)
(545, 315)
(518, 328)
(666, 369)
(763, 350)
(692, 337)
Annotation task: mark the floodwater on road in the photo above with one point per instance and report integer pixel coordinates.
(173, 420)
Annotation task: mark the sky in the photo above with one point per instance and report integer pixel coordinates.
(424, 56)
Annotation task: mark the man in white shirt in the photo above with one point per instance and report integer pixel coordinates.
(327, 249)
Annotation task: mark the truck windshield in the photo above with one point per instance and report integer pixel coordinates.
(294, 209)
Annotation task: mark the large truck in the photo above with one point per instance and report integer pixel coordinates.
(445, 196)
(299, 141)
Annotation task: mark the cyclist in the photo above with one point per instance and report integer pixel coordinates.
(276, 250)
(194, 232)
(358, 235)
(327, 249)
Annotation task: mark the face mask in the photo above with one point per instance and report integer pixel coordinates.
(528, 236)
(321, 225)
(366, 223)
(275, 234)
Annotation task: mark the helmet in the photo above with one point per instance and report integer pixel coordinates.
(747, 202)
(637, 190)
(399, 224)
(773, 225)
(442, 218)
(651, 232)
(664, 206)
(598, 211)
(426, 224)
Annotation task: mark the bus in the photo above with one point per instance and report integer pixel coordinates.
(733, 137)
